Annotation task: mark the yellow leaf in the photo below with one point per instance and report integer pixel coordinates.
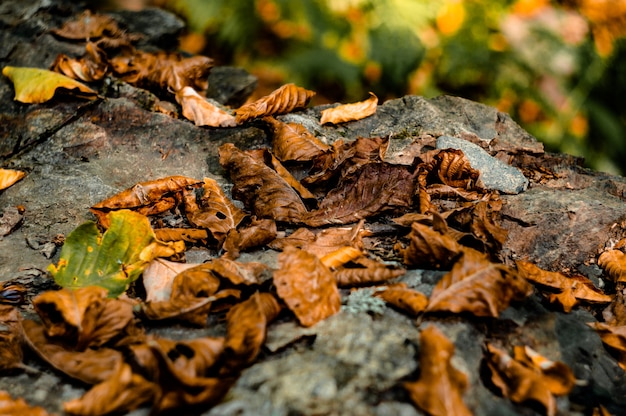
(34, 85)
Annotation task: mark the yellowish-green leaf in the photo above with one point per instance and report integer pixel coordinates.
(35, 85)
(111, 260)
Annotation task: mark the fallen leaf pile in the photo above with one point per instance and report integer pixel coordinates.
(314, 202)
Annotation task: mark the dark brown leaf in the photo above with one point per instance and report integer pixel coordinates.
(372, 190)
(344, 159)
(260, 188)
(88, 26)
(283, 100)
(307, 286)
(439, 390)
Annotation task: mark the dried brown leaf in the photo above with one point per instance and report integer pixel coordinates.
(9, 176)
(92, 66)
(293, 142)
(179, 389)
(350, 112)
(201, 111)
(484, 227)
(10, 338)
(614, 337)
(614, 263)
(285, 99)
(216, 211)
(90, 366)
(365, 271)
(158, 278)
(307, 286)
(260, 188)
(88, 26)
(122, 392)
(454, 169)
(344, 159)
(439, 390)
(18, 407)
(341, 256)
(429, 248)
(165, 70)
(325, 241)
(557, 376)
(83, 317)
(372, 190)
(522, 380)
(401, 297)
(571, 289)
(247, 327)
(147, 198)
(190, 235)
(257, 234)
(477, 286)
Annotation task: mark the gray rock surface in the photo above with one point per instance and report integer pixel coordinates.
(76, 153)
(494, 174)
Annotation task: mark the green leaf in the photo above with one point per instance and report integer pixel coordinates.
(35, 85)
(111, 260)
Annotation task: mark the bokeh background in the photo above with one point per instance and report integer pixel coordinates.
(558, 67)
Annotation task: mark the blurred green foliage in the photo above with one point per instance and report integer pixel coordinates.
(555, 66)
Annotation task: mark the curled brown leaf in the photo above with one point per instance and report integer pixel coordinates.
(401, 297)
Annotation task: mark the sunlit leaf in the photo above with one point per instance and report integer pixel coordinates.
(9, 176)
(283, 100)
(34, 85)
(199, 110)
(111, 260)
(350, 112)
